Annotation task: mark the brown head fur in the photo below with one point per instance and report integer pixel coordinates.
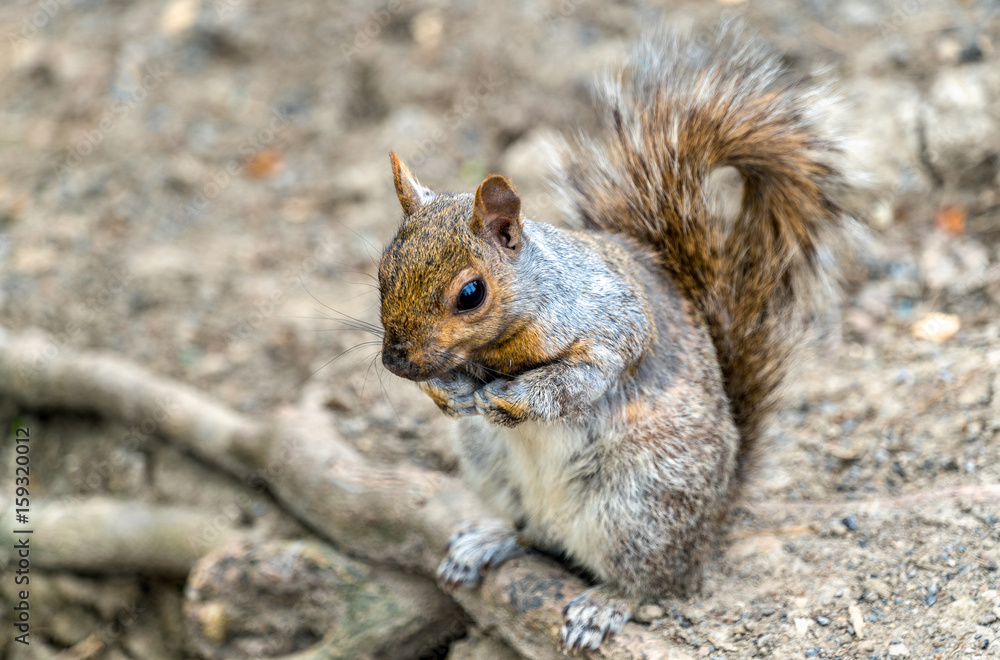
(445, 242)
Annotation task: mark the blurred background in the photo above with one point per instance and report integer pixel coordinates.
(203, 187)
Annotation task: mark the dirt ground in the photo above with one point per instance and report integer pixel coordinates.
(203, 187)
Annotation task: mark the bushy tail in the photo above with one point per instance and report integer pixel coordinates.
(673, 113)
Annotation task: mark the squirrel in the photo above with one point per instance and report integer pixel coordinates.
(614, 380)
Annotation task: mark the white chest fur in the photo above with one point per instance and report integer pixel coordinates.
(544, 465)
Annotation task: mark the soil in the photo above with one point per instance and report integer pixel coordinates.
(202, 186)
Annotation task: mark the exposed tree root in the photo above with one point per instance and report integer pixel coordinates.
(399, 515)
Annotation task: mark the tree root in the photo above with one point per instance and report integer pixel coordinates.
(302, 600)
(107, 535)
(401, 515)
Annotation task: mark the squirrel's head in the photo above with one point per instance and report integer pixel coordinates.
(445, 279)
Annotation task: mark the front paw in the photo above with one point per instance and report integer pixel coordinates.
(453, 393)
(592, 617)
(475, 548)
(504, 402)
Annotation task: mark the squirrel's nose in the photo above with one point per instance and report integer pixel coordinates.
(395, 360)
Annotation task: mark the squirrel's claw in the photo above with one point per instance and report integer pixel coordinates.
(475, 548)
(592, 617)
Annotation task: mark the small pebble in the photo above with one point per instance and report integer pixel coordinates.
(649, 613)
(812, 653)
(822, 620)
(971, 53)
(899, 651)
(837, 529)
(931, 596)
(851, 523)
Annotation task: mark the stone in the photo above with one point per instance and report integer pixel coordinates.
(649, 613)
(898, 651)
(960, 110)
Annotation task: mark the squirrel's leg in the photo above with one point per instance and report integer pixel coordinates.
(592, 617)
(453, 393)
(476, 547)
(557, 390)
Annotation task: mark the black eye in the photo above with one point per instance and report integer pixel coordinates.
(471, 296)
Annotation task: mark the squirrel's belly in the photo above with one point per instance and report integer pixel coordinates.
(560, 510)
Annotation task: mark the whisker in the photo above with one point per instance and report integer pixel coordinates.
(361, 325)
(350, 322)
(341, 316)
(492, 372)
(327, 364)
(343, 265)
(385, 392)
(379, 371)
(458, 361)
(367, 284)
(341, 330)
(364, 382)
(361, 294)
(369, 328)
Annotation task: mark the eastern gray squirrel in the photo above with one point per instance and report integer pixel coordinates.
(614, 381)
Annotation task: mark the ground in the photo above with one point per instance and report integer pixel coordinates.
(203, 186)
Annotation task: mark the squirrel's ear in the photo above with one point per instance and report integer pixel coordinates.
(411, 194)
(497, 213)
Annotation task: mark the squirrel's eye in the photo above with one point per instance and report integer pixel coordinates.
(471, 296)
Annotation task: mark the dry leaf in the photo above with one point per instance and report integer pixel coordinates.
(264, 164)
(937, 327)
(951, 219)
(857, 620)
